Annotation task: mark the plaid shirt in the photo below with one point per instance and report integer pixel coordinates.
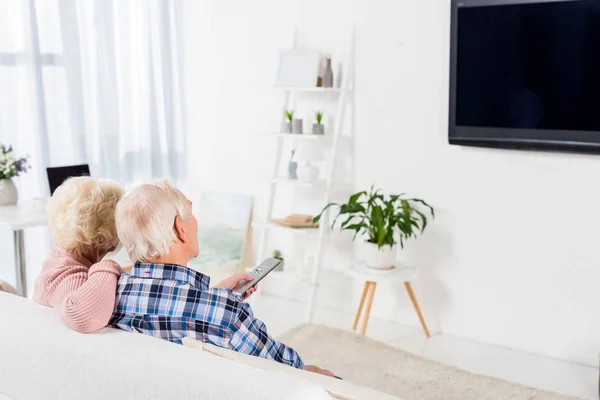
(170, 302)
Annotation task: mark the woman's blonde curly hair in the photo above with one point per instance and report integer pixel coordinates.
(81, 215)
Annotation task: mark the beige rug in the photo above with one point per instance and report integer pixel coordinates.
(366, 362)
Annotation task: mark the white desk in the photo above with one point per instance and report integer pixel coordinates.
(27, 214)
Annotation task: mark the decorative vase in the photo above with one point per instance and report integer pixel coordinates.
(292, 166)
(307, 173)
(318, 129)
(8, 193)
(287, 127)
(328, 75)
(297, 126)
(376, 258)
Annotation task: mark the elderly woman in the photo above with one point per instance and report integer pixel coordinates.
(74, 279)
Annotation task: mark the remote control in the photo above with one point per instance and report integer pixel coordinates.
(258, 274)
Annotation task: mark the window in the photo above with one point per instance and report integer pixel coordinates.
(33, 81)
(71, 92)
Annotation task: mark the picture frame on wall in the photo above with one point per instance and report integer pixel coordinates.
(298, 68)
(223, 230)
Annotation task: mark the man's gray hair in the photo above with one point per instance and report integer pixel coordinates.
(145, 217)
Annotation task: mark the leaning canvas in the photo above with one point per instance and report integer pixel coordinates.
(223, 230)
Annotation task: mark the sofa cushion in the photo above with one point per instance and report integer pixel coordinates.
(338, 389)
(41, 358)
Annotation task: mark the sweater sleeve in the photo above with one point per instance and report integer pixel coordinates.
(85, 298)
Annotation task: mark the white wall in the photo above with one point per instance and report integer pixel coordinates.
(511, 258)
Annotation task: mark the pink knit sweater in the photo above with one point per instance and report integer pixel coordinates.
(83, 294)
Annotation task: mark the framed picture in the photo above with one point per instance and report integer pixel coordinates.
(223, 222)
(298, 68)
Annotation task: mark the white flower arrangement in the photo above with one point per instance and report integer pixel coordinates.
(10, 165)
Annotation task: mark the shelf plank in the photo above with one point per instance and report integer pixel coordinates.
(294, 182)
(298, 136)
(271, 225)
(325, 139)
(310, 89)
(319, 183)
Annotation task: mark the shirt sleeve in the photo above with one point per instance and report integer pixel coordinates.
(250, 336)
(224, 320)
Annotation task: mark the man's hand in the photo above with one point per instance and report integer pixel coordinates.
(233, 281)
(317, 370)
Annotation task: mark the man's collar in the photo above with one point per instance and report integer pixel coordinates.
(172, 272)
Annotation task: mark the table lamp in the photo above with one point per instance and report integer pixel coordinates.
(305, 155)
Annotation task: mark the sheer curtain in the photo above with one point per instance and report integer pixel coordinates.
(92, 81)
(124, 67)
(96, 81)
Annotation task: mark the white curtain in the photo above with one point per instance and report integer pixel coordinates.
(92, 81)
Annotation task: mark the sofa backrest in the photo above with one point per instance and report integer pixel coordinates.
(41, 358)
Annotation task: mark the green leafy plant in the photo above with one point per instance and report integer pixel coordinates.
(378, 216)
(319, 116)
(277, 254)
(289, 114)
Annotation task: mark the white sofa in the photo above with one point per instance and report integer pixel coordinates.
(42, 359)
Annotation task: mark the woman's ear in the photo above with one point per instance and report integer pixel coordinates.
(179, 229)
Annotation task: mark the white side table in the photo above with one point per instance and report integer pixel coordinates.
(400, 273)
(24, 215)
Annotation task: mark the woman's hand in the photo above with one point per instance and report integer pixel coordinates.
(233, 281)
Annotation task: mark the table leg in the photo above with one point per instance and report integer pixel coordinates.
(20, 270)
(411, 294)
(361, 304)
(373, 286)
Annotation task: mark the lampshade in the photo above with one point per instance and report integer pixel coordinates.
(308, 152)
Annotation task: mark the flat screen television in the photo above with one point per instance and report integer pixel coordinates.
(525, 74)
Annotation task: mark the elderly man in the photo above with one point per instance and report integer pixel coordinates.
(164, 298)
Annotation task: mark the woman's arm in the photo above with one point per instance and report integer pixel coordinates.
(84, 298)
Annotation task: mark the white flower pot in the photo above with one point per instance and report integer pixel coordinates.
(383, 258)
(8, 193)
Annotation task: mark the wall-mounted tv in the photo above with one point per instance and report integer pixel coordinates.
(525, 74)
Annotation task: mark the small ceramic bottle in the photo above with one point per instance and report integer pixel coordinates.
(328, 75)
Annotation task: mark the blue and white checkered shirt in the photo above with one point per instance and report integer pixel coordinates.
(171, 302)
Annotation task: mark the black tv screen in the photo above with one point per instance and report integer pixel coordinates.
(525, 74)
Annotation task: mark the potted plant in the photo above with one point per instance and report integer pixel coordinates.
(277, 255)
(10, 167)
(318, 128)
(289, 116)
(378, 218)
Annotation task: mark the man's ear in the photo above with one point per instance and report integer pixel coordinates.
(179, 229)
